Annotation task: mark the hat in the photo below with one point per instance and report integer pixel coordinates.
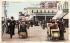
(12, 17)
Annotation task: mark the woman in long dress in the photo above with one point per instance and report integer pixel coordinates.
(23, 30)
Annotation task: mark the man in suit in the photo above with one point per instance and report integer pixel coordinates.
(61, 29)
(12, 27)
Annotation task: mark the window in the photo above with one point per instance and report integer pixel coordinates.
(37, 11)
(44, 11)
(52, 11)
(32, 11)
(48, 11)
(41, 11)
(65, 10)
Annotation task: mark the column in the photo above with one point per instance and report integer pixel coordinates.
(45, 17)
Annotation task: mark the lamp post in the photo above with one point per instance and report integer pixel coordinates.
(5, 14)
(5, 10)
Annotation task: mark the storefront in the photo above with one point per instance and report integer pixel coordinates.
(43, 16)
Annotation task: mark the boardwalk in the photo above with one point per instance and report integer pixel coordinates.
(35, 33)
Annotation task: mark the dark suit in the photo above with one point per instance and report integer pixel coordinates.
(12, 27)
(61, 28)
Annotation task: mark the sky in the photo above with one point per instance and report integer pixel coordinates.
(14, 7)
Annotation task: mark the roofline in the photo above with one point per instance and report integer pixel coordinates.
(38, 8)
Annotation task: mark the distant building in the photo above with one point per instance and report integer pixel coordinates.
(48, 4)
(41, 13)
(47, 10)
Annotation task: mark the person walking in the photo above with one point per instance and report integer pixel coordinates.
(43, 24)
(23, 30)
(3, 27)
(31, 23)
(12, 27)
(18, 23)
(61, 29)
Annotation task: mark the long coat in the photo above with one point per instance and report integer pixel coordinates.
(12, 27)
(61, 28)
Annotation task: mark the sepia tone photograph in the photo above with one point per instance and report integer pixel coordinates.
(35, 21)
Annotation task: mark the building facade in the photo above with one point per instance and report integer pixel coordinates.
(47, 10)
(41, 13)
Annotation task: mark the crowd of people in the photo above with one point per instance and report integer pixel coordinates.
(22, 27)
(58, 24)
(19, 24)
